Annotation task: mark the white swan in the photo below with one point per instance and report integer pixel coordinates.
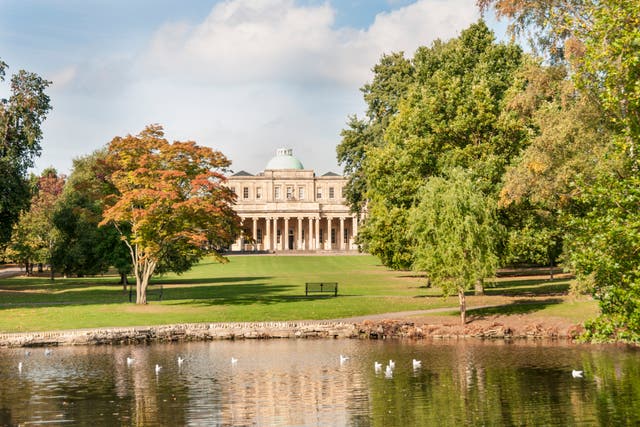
(388, 372)
(234, 361)
(20, 367)
(48, 352)
(576, 374)
(180, 360)
(343, 359)
(158, 367)
(130, 361)
(392, 364)
(377, 366)
(417, 364)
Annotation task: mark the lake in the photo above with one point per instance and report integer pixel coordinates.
(304, 383)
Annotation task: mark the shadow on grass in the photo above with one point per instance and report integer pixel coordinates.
(217, 291)
(205, 280)
(529, 287)
(522, 306)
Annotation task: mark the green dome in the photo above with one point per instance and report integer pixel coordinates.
(284, 160)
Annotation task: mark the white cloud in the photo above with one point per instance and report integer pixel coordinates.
(245, 40)
(250, 77)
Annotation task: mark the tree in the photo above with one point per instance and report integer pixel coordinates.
(455, 231)
(34, 236)
(451, 115)
(599, 39)
(171, 206)
(393, 76)
(84, 248)
(21, 117)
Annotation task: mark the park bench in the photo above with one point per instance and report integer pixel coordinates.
(152, 290)
(328, 287)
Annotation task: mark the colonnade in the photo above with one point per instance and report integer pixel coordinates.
(299, 233)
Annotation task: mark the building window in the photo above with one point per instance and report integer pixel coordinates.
(289, 193)
(276, 192)
(319, 193)
(333, 235)
(331, 192)
(342, 192)
(259, 193)
(259, 235)
(321, 236)
(245, 192)
(346, 235)
(300, 193)
(303, 234)
(278, 234)
(233, 190)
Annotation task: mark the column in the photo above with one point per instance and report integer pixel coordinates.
(327, 244)
(309, 234)
(299, 234)
(255, 233)
(285, 234)
(267, 234)
(354, 228)
(275, 234)
(317, 228)
(341, 239)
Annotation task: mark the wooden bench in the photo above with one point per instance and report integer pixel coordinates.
(156, 290)
(328, 287)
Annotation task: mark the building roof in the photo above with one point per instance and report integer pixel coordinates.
(242, 173)
(330, 174)
(284, 160)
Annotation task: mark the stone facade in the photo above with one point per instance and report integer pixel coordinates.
(289, 208)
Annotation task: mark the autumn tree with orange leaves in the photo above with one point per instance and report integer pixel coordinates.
(171, 206)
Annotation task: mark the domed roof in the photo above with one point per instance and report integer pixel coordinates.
(284, 160)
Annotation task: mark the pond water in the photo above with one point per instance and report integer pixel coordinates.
(304, 383)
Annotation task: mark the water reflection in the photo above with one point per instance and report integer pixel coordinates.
(302, 382)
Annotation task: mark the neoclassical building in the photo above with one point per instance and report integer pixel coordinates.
(288, 208)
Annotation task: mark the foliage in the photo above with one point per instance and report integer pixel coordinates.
(604, 244)
(34, 236)
(393, 76)
(83, 248)
(455, 230)
(21, 117)
(600, 40)
(170, 205)
(451, 114)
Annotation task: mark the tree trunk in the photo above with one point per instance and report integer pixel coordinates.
(51, 272)
(550, 269)
(479, 287)
(123, 281)
(463, 306)
(144, 271)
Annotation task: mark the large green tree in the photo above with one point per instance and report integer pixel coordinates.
(600, 40)
(455, 230)
(452, 114)
(170, 205)
(84, 248)
(21, 117)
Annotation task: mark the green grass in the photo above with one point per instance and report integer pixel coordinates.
(251, 288)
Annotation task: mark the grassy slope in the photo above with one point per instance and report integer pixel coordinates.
(256, 288)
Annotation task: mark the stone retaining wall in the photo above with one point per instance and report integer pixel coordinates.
(262, 330)
(182, 332)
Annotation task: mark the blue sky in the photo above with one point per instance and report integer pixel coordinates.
(242, 76)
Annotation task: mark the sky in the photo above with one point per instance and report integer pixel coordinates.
(244, 77)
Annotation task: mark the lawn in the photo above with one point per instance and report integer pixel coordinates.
(251, 288)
